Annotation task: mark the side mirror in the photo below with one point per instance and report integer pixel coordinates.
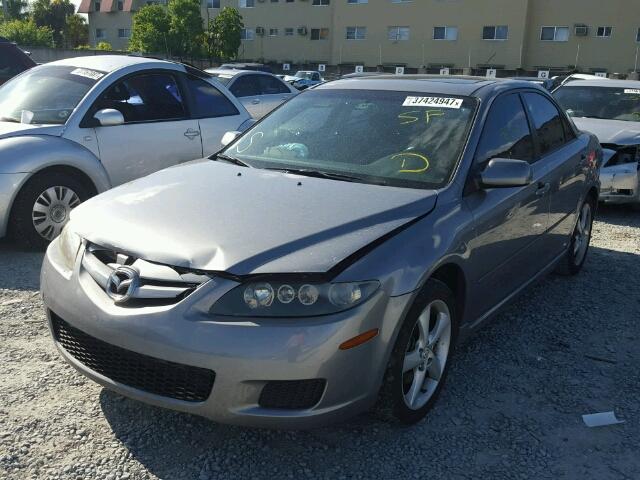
(229, 137)
(109, 117)
(504, 172)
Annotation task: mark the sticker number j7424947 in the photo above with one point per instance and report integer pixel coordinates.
(442, 102)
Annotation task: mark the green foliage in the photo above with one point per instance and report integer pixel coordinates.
(83, 47)
(52, 14)
(27, 33)
(223, 36)
(150, 31)
(105, 46)
(185, 28)
(76, 31)
(15, 10)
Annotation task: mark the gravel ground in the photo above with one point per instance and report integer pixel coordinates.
(511, 409)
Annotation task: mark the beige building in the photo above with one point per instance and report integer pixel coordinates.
(591, 35)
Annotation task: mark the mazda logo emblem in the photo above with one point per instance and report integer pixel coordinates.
(122, 284)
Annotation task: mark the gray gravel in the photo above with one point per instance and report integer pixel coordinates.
(511, 409)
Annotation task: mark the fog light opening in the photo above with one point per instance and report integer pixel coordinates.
(359, 339)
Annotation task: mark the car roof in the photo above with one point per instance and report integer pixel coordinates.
(110, 63)
(452, 84)
(604, 83)
(232, 72)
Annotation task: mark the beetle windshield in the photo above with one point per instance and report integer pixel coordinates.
(601, 102)
(46, 95)
(385, 137)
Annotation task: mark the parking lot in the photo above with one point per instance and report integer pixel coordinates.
(511, 408)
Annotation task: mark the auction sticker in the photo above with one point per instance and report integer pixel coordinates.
(635, 91)
(85, 72)
(442, 102)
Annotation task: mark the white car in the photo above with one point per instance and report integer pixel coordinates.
(76, 127)
(259, 92)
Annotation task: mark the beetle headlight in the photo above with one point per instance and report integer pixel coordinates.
(68, 244)
(292, 299)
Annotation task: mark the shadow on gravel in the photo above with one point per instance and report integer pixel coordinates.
(511, 408)
(622, 215)
(19, 269)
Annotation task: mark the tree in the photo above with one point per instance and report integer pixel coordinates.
(185, 29)
(13, 9)
(52, 14)
(223, 37)
(150, 30)
(26, 32)
(76, 31)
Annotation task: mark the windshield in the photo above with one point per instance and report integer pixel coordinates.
(391, 138)
(46, 94)
(601, 102)
(305, 75)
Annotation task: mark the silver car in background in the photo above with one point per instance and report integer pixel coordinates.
(259, 92)
(76, 127)
(328, 258)
(611, 110)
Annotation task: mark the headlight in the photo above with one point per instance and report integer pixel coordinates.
(69, 243)
(292, 299)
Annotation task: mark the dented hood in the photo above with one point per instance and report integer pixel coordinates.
(215, 216)
(617, 132)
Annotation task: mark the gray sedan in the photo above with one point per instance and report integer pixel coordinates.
(330, 257)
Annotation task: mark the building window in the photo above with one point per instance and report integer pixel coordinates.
(247, 4)
(120, 5)
(554, 34)
(356, 33)
(100, 34)
(495, 32)
(319, 33)
(321, 3)
(247, 34)
(398, 33)
(213, 3)
(96, 6)
(604, 32)
(638, 35)
(124, 32)
(288, 32)
(357, 1)
(273, 32)
(445, 33)
(274, 1)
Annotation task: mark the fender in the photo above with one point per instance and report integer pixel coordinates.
(31, 154)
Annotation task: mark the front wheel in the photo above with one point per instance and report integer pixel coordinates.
(421, 356)
(576, 254)
(42, 208)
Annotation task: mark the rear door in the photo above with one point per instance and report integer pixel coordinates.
(215, 112)
(563, 156)
(157, 132)
(273, 92)
(510, 223)
(246, 88)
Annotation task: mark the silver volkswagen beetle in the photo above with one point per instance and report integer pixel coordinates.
(76, 127)
(330, 257)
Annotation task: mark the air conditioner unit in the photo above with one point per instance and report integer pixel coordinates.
(260, 31)
(582, 30)
(302, 30)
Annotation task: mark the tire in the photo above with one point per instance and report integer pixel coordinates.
(42, 208)
(576, 254)
(399, 387)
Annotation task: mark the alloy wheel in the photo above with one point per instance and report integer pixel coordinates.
(51, 210)
(426, 354)
(582, 234)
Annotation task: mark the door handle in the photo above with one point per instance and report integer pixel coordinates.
(191, 134)
(255, 101)
(543, 188)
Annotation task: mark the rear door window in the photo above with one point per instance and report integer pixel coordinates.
(246, 86)
(271, 86)
(207, 100)
(506, 132)
(547, 122)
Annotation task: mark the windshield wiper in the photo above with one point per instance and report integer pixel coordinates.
(317, 174)
(230, 159)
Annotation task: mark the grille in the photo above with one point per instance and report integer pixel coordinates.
(153, 375)
(291, 394)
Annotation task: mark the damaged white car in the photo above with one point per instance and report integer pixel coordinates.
(611, 110)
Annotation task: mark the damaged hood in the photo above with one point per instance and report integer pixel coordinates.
(220, 217)
(616, 132)
(12, 129)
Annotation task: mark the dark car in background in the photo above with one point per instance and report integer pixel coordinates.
(12, 60)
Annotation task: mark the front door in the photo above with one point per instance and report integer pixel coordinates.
(157, 132)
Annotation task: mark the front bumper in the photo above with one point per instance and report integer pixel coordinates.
(620, 184)
(10, 184)
(245, 354)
